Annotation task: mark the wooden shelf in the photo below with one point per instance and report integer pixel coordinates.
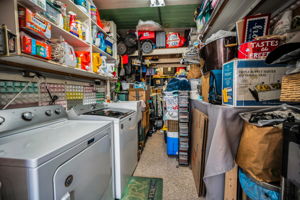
(166, 51)
(34, 63)
(98, 50)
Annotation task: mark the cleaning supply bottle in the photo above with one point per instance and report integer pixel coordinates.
(73, 25)
(79, 28)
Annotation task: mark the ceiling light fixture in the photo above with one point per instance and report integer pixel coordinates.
(157, 3)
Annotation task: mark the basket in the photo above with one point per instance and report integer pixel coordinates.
(290, 88)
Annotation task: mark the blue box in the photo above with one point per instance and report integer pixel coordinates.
(172, 143)
(109, 46)
(251, 83)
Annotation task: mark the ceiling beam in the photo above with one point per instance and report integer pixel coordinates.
(118, 4)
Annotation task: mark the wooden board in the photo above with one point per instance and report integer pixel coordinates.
(231, 184)
(205, 86)
(199, 138)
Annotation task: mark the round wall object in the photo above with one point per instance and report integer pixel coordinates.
(122, 48)
(147, 46)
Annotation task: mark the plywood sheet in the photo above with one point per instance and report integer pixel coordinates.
(199, 138)
(231, 184)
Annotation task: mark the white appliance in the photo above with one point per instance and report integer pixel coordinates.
(125, 138)
(131, 105)
(46, 156)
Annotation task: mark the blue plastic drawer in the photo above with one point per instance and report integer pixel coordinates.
(172, 146)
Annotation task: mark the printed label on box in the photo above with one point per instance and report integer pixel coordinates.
(252, 83)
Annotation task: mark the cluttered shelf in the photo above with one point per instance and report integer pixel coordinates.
(33, 63)
(164, 51)
(98, 50)
(103, 31)
(222, 17)
(82, 12)
(71, 39)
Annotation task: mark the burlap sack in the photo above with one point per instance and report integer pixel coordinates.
(260, 152)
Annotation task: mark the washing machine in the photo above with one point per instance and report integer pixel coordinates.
(46, 156)
(125, 138)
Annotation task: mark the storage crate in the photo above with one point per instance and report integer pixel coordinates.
(172, 143)
(290, 88)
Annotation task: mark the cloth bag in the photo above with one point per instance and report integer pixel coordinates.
(260, 152)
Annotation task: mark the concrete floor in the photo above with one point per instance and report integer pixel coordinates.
(178, 183)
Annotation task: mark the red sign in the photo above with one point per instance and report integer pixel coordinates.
(257, 49)
(174, 40)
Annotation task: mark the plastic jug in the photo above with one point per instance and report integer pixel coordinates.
(83, 59)
(97, 62)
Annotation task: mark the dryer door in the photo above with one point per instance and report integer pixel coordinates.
(87, 175)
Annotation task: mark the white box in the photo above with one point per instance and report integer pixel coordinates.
(251, 83)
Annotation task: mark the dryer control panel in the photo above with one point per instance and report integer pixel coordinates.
(12, 120)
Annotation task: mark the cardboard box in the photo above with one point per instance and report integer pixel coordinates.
(205, 86)
(33, 23)
(251, 83)
(136, 94)
(146, 119)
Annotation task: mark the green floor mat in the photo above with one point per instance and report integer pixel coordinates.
(143, 188)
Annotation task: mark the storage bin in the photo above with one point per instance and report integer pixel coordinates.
(123, 96)
(172, 143)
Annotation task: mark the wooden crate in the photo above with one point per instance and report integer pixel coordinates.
(290, 88)
(136, 94)
(172, 125)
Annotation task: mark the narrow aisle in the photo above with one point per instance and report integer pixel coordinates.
(178, 183)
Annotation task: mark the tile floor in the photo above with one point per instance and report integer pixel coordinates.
(178, 182)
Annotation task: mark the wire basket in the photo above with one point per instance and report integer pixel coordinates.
(290, 88)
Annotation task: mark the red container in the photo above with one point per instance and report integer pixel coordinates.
(83, 60)
(257, 49)
(147, 35)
